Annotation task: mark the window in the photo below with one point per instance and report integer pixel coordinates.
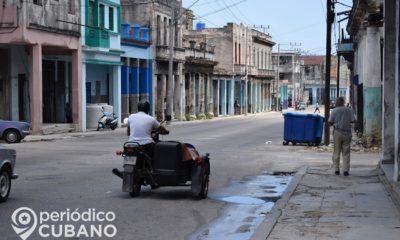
(71, 6)
(101, 16)
(91, 13)
(111, 19)
(37, 2)
(158, 30)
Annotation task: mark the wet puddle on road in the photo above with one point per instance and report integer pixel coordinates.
(248, 202)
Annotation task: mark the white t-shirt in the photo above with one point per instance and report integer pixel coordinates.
(141, 125)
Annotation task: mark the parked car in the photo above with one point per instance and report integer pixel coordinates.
(13, 131)
(7, 163)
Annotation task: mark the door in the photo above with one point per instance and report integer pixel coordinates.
(4, 85)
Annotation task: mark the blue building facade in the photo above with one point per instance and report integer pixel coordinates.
(136, 69)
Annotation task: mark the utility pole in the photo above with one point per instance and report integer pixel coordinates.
(170, 83)
(277, 78)
(338, 76)
(329, 20)
(246, 102)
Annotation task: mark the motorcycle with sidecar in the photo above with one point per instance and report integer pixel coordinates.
(166, 168)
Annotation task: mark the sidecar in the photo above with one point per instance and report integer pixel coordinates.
(166, 168)
(169, 169)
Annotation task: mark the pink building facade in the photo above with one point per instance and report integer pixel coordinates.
(41, 63)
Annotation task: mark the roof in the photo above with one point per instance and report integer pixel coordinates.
(313, 60)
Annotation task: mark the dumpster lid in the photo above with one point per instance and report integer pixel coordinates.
(301, 114)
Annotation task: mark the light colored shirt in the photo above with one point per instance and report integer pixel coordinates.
(342, 117)
(141, 125)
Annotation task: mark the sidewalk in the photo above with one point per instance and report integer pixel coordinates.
(321, 205)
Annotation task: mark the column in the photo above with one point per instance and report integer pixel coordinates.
(117, 92)
(36, 90)
(209, 94)
(77, 88)
(192, 95)
(163, 95)
(83, 86)
(182, 96)
(216, 97)
(125, 89)
(372, 87)
(155, 97)
(134, 86)
(201, 94)
(389, 83)
(177, 97)
(223, 97)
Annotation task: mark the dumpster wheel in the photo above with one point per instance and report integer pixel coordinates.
(285, 143)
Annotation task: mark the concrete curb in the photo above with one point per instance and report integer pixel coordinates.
(392, 188)
(272, 217)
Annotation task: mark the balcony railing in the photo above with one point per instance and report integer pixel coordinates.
(266, 73)
(97, 37)
(162, 52)
(135, 33)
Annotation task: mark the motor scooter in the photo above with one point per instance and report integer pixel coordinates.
(166, 168)
(107, 120)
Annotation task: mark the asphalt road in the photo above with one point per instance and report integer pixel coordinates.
(75, 174)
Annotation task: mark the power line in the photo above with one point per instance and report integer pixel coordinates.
(222, 9)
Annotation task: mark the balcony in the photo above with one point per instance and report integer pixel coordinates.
(135, 34)
(266, 73)
(162, 53)
(239, 69)
(97, 38)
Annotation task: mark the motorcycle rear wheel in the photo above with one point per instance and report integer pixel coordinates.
(136, 187)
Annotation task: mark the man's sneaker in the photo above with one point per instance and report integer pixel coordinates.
(337, 172)
(345, 173)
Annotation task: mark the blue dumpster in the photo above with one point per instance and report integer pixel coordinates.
(302, 128)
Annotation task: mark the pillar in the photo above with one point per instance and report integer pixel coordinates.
(177, 97)
(125, 89)
(216, 94)
(389, 83)
(77, 89)
(83, 86)
(134, 86)
(201, 94)
(223, 97)
(36, 91)
(192, 95)
(372, 87)
(163, 95)
(117, 92)
(209, 94)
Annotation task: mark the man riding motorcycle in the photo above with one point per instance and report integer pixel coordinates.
(140, 126)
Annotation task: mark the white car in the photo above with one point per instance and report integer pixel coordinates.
(7, 163)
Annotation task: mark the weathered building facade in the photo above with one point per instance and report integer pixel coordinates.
(101, 65)
(289, 71)
(40, 69)
(161, 17)
(136, 71)
(244, 72)
(366, 31)
(313, 79)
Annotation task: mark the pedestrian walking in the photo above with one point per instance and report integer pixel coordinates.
(341, 119)
(237, 107)
(316, 108)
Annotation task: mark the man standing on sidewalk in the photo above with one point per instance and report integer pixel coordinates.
(341, 119)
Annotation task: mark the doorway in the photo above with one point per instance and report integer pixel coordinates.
(4, 85)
